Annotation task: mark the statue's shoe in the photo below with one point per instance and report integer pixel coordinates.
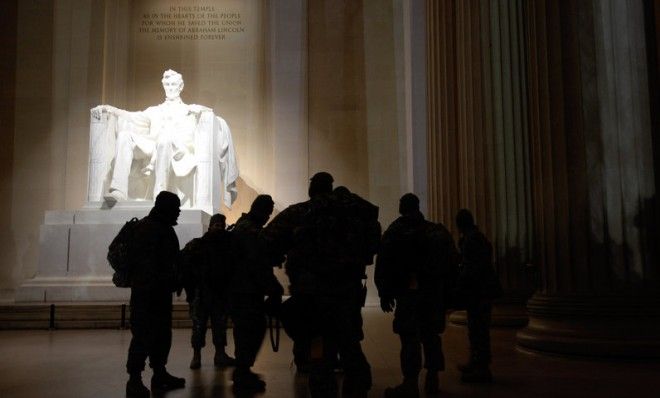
(115, 196)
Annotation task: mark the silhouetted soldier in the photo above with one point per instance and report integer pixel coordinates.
(325, 269)
(416, 264)
(477, 285)
(210, 262)
(153, 279)
(253, 279)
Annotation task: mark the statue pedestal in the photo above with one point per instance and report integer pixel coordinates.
(73, 246)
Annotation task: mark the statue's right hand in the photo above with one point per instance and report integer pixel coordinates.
(97, 111)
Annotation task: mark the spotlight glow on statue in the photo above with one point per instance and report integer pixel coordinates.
(175, 147)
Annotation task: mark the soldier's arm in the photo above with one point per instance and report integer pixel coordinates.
(383, 274)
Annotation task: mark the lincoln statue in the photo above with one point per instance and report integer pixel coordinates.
(173, 146)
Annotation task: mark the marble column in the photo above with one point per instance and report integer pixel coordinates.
(478, 134)
(594, 199)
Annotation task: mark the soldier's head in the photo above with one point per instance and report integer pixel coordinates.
(464, 220)
(261, 209)
(217, 222)
(172, 84)
(408, 204)
(320, 184)
(168, 206)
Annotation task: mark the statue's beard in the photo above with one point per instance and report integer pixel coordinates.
(173, 96)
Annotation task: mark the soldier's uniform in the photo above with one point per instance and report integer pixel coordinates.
(477, 284)
(211, 260)
(416, 266)
(325, 264)
(253, 279)
(153, 280)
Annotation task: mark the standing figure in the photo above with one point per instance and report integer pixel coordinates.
(209, 262)
(477, 285)
(415, 268)
(253, 279)
(153, 280)
(325, 263)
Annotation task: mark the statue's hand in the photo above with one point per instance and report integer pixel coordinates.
(178, 155)
(97, 111)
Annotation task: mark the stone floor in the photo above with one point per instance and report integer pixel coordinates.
(90, 363)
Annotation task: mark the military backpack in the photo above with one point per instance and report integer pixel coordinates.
(120, 254)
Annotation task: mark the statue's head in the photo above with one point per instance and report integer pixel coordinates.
(172, 83)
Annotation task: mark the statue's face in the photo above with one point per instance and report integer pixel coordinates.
(172, 87)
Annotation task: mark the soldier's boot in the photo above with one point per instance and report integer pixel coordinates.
(322, 381)
(135, 388)
(196, 361)
(355, 387)
(479, 373)
(222, 360)
(432, 382)
(353, 390)
(247, 381)
(163, 381)
(407, 389)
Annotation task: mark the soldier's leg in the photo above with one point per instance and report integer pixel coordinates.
(434, 360)
(139, 348)
(162, 320)
(321, 314)
(251, 334)
(219, 330)
(410, 355)
(140, 345)
(406, 325)
(162, 338)
(199, 318)
(347, 334)
(199, 315)
(301, 348)
(484, 333)
(249, 331)
(479, 333)
(219, 326)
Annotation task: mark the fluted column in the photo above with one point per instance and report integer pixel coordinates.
(459, 130)
(478, 133)
(595, 209)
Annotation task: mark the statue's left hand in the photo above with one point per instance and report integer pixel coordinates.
(178, 155)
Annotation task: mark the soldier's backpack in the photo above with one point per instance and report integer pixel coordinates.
(120, 254)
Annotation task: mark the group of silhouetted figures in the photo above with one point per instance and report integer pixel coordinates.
(325, 245)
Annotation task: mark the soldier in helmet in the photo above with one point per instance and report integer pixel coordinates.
(325, 268)
(416, 264)
(209, 263)
(153, 280)
(477, 285)
(253, 280)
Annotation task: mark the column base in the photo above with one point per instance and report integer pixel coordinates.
(594, 326)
